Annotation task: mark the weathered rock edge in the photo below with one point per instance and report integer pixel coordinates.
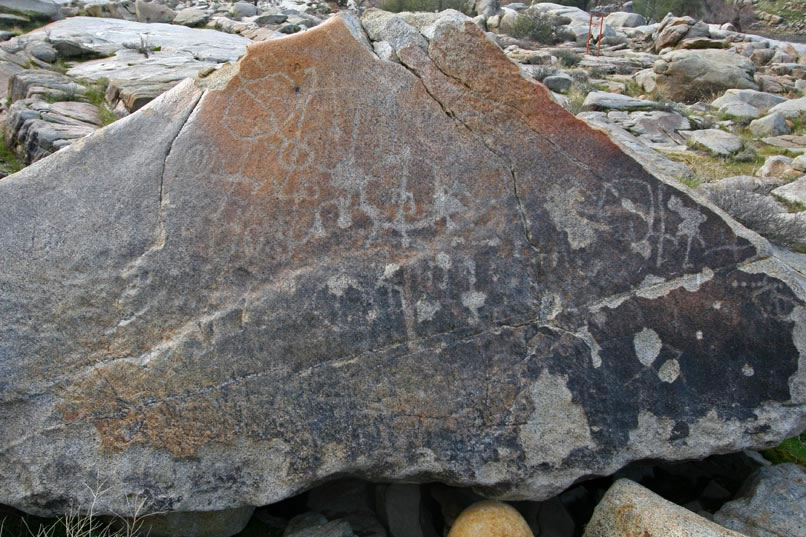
(338, 264)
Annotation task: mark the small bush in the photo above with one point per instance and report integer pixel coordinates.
(576, 97)
(761, 214)
(748, 154)
(568, 58)
(96, 94)
(792, 450)
(534, 26)
(565, 34)
(8, 160)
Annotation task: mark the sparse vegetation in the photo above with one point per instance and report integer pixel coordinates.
(577, 94)
(633, 89)
(29, 22)
(691, 182)
(799, 125)
(791, 206)
(792, 450)
(8, 160)
(710, 168)
(791, 11)
(534, 26)
(567, 58)
(77, 522)
(61, 66)
(143, 47)
(96, 94)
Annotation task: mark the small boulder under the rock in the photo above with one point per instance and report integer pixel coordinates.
(314, 524)
(490, 518)
(628, 509)
(772, 503)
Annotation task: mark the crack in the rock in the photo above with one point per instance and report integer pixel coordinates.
(171, 148)
(449, 113)
(159, 239)
(524, 218)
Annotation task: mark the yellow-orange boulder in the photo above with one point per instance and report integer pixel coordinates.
(490, 519)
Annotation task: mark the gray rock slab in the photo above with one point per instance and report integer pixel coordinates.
(38, 128)
(794, 192)
(717, 141)
(224, 523)
(110, 36)
(38, 8)
(791, 108)
(653, 161)
(153, 11)
(771, 504)
(789, 142)
(770, 125)
(560, 83)
(758, 185)
(352, 500)
(602, 100)
(313, 524)
(740, 110)
(758, 99)
(191, 17)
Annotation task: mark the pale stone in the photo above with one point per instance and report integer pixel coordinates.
(629, 510)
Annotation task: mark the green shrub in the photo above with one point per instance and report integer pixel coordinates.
(534, 26)
(9, 163)
(567, 58)
(792, 450)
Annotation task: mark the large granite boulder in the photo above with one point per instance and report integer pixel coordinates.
(691, 75)
(316, 263)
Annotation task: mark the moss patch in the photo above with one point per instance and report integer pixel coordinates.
(792, 450)
(9, 163)
(709, 168)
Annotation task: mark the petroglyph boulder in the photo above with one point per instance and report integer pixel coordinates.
(316, 262)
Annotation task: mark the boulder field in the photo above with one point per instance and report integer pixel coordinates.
(372, 249)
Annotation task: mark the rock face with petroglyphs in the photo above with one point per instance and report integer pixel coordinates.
(372, 249)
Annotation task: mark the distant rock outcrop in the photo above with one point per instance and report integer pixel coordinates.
(692, 75)
(316, 262)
